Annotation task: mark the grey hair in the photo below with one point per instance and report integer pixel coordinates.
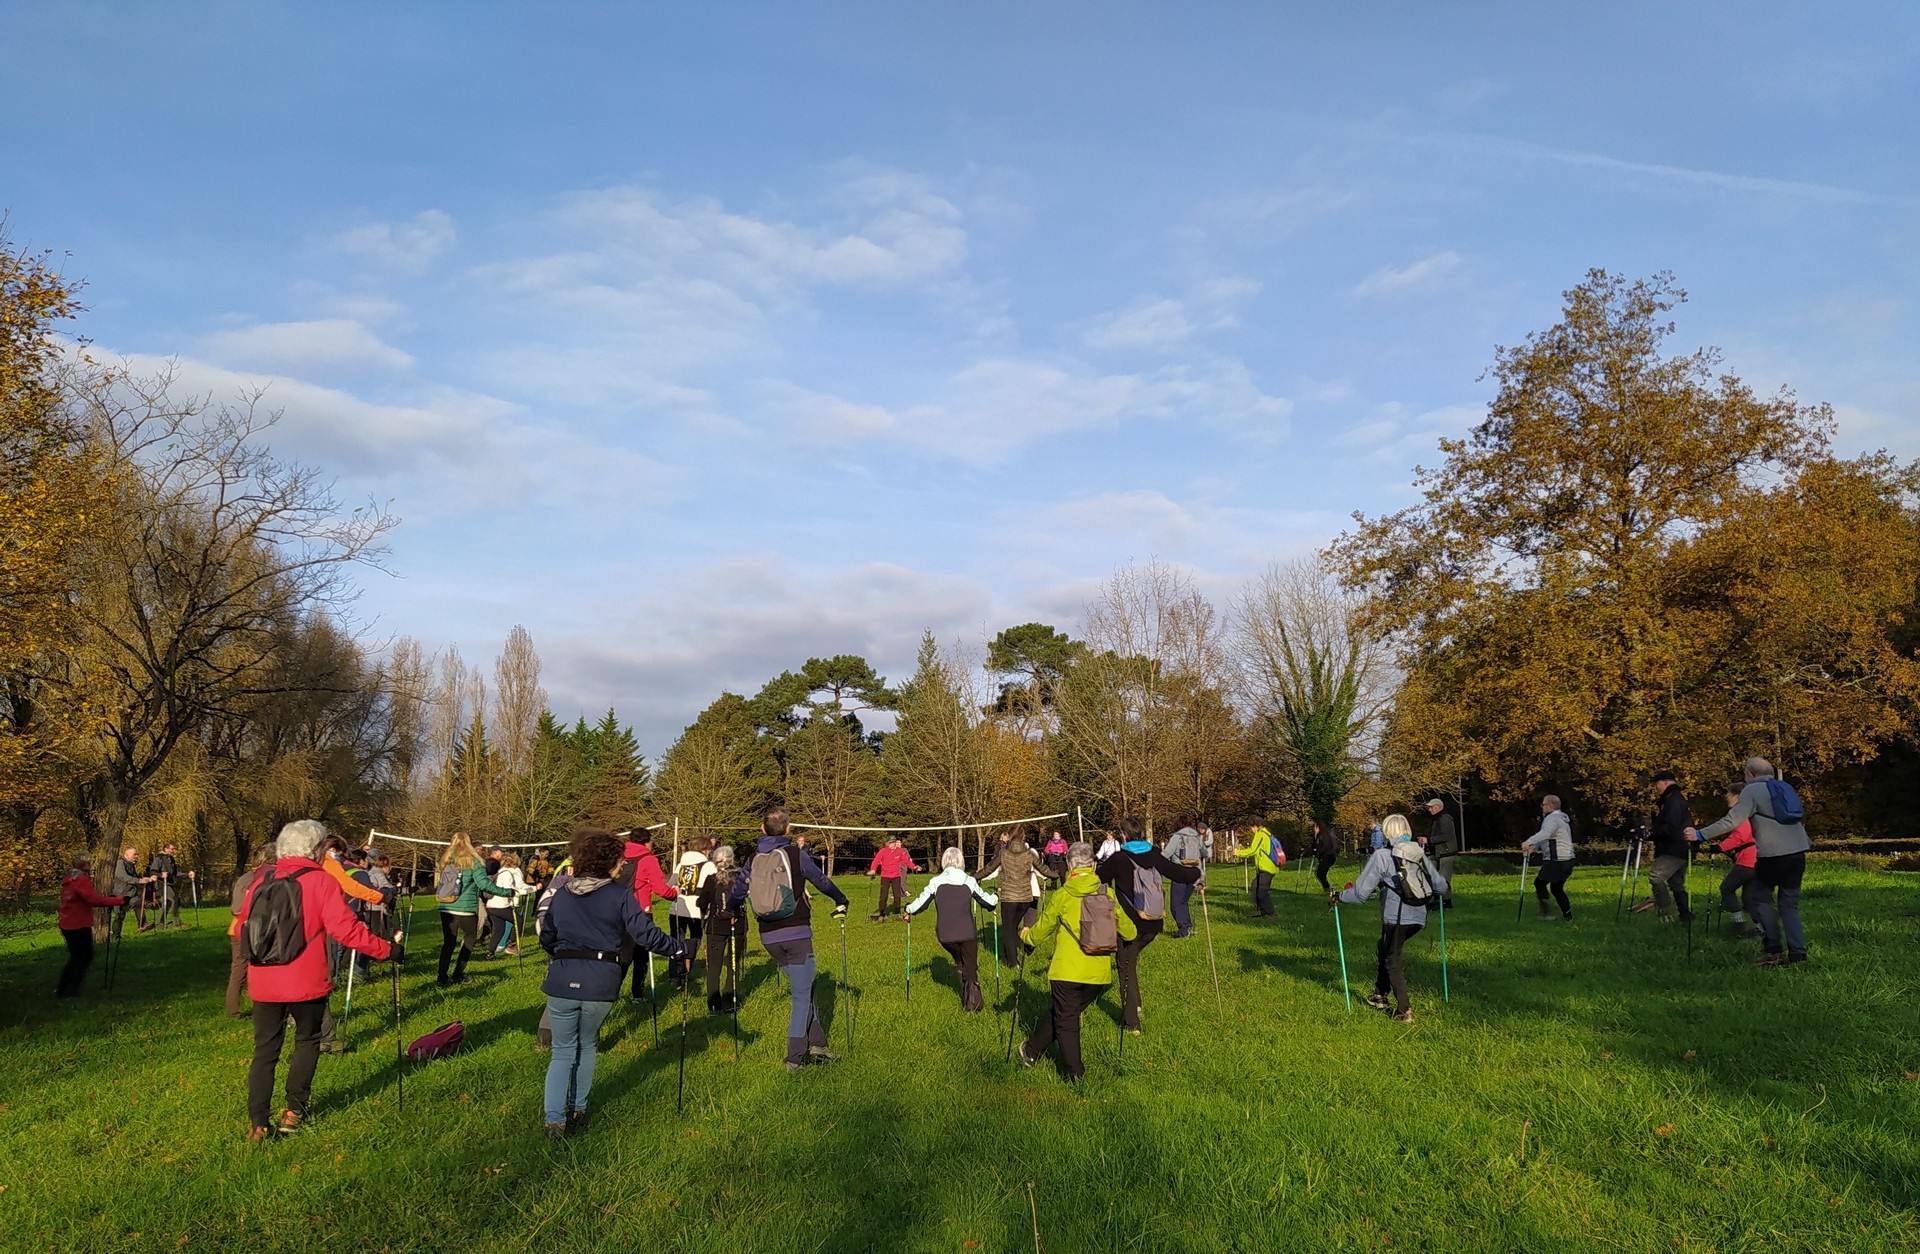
(1550, 801)
(952, 859)
(1079, 853)
(1759, 768)
(301, 838)
(722, 856)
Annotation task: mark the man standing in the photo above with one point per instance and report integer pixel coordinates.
(165, 869)
(786, 927)
(1554, 843)
(1190, 846)
(1668, 878)
(891, 862)
(1780, 838)
(128, 884)
(290, 978)
(1442, 842)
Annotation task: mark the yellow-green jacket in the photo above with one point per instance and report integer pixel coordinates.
(1257, 844)
(1062, 914)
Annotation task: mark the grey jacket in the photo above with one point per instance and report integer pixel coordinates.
(1771, 839)
(1377, 876)
(1554, 839)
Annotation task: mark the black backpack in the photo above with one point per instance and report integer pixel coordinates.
(276, 930)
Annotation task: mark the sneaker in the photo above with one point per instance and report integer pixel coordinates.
(336, 1047)
(1796, 957)
(289, 1123)
(821, 1054)
(1378, 1001)
(793, 1066)
(1025, 1060)
(1133, 1031)
(1405, 1016)
(556, 1132)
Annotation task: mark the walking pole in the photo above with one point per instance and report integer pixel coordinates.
(195, 883)
(996, 958)
(909, 960)
(680, 1091)
(346, 1011)
(845, 995)
(653, 1003)
(1340, 940)
(733, 961)
(399, 1049)
(1013, 1020)
(1633, 887)
(1520, 907)
(1620, 898)
(1207, 919)
(1120, 1024)
(1445, 993)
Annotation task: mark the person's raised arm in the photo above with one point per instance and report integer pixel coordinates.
(1370, 876)
(818, 878)
(639, 925)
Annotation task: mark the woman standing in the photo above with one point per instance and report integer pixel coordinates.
(583, 928)
(953, 893)
(685, 917)
(78, 900)
(726, 930)
(1018, 868)
(506, 915)
(1399, 918)
(462, 883)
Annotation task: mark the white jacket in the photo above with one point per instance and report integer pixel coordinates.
(689, 873)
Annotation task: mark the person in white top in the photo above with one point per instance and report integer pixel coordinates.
(506, 910)
(1554, 843)
(684, 919)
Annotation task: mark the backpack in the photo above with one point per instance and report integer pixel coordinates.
(1410, 880)
(439, 1043)
(1149, 893)
(276, 931)
(770, 886)
(446, 889)
(1276, 852)
(690, 875)
(1099, 934)
(1787, 807)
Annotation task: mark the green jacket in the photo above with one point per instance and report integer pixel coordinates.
(1062, 912)
(473, 884)
(1257, 849)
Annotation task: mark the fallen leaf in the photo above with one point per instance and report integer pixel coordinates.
(1691, 1054)
(1664, 1130)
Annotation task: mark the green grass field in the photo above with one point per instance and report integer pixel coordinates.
(1584, 1088)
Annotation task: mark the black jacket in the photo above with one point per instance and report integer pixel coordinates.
(1671, 819)
(1118, 870)
(1443, 839)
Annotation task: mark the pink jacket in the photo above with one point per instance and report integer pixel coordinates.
(649, 881)
(891, 863)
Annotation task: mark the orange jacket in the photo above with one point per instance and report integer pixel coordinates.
(349, 885)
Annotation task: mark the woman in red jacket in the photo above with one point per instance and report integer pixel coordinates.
(648, 882)
(1737, 889)
(298, 988)
(78, 899)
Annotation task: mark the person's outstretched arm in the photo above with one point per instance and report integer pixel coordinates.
(344, 926)
(817, 877)
(639, 925)
(1370, 876)
(926, 895)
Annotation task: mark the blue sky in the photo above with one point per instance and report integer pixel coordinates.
(704, 338)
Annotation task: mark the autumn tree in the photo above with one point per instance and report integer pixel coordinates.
(1634, 562)
(518, 701)
(720, 773)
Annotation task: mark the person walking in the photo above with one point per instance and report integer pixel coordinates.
(1076, 977)
(1780, 844)
(1054, 855)
(1191, 845)
(1736, 887)
(78, 900)
(1554, 843)
(642, 873)
(462, 883)
(506, 911)
(1671, 848)
(129, 885)
(297, 985)
(952, 893)
(1442, 842)
(237, 968)
(1139, 875)
(685, 916)
(1326, 851)
(1400, 919)
(726, 930)
(788, 935)
(1016, 866)
(587, 925)
(1264, 848)
(891, 862)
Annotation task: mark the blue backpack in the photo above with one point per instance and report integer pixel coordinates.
(1786, 804)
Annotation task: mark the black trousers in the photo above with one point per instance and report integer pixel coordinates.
(269, 1031)
(682, 927)
(1390, 974)
(1552, 877)
(1263, 892)
(1323, 863)
(456, 931)
(966, 961)
(725, 956)
(1013, 916)
(892, 888)
(1061, 1024)
(1129, 962)
(1736, 890)
(79, 958)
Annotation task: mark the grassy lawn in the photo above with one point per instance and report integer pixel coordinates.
(1584, 1088)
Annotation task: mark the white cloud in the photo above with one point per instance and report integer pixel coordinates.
(1426, 273)
(408, 247)
(328, 346)
(1149, 327)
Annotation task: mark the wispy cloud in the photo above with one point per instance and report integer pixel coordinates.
(408, 247)
(325, 346)
(1428, 272)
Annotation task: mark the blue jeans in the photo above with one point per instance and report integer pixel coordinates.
(576, 1044)
(796, 962)
(1179, 899)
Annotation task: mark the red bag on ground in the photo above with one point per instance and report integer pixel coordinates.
(438, 1043)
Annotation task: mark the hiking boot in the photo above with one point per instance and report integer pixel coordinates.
(289, 1123)
(793, 1066)
(1770, 960)
(1025, 1059)
(1796, 958)
(821, 1054)
(259, 1136)
(1378, 1001)
(1405, 1016)
(556, 1132)
(873, 918)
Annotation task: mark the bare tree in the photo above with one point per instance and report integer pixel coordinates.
(518, 702)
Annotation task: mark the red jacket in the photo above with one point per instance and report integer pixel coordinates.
(648, 879)
(891, 862)
(1739, 843)
(78, 897)
(324, 911)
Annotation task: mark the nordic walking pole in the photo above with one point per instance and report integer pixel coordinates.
(1340, 940)
(733, 961)
(194, 882)
(1013, 1020)
(399, 1049)
(846, 1006)
(1213, 966)
(1633, 887)
(1441, 906)
(1520, 907)
(996, 955)
(680, 1090)
(1621, 897)
(909, 960)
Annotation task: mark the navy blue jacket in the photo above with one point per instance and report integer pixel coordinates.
(598, 919)
(800, 925)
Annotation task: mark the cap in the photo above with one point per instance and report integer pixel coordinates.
(1666, 775)
(1435, 801)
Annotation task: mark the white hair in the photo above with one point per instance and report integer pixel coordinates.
(722, 856)
(1396, 827)
(1079, 853)
(301, 838)
(952, 859)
